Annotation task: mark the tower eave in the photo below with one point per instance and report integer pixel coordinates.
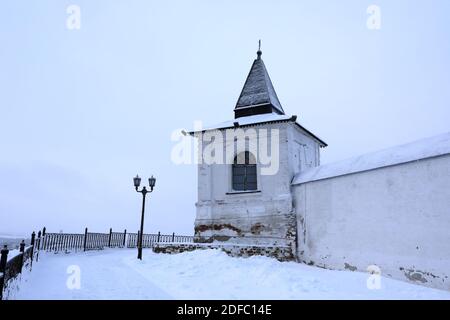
(256, 109)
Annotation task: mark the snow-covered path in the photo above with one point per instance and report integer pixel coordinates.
(205, 274)
(103, 274)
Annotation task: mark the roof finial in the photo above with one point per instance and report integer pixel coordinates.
(259, 53)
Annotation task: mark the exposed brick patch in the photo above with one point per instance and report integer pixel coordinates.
(257, 228)
(283, 253)
(216, 227)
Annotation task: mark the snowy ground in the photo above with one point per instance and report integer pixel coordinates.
(203, 274)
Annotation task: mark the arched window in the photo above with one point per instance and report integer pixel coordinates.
(244, 172)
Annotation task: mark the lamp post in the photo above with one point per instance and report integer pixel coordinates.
(144, 191)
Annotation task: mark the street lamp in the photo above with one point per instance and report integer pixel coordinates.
(144, 191)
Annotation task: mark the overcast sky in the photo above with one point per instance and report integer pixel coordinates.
(83, 111)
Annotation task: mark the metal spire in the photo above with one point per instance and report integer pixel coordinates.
(259, 52)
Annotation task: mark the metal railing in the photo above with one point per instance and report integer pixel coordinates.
(11, 268)
(149, 240)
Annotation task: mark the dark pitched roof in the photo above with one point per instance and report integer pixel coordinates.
(258, 95)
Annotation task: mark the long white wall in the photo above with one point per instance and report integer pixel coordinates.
(396, 217)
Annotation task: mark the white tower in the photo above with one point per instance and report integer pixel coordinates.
(245, 199)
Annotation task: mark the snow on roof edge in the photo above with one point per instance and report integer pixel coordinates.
(257, 119)
(421, 149)
(243, 121)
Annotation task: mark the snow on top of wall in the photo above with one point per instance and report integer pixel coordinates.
(13, 253)
(420, 149)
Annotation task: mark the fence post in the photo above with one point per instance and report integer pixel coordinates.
(173, 237)
(124, 237)
(85, 239)
(3, 261)
(4, 258)
(33, 237)
(38, 245)
(22, 250)
(43, 238)
(159, 236)
(39, 241)
(110, 235)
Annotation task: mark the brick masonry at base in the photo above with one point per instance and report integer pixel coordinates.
(281, 253)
